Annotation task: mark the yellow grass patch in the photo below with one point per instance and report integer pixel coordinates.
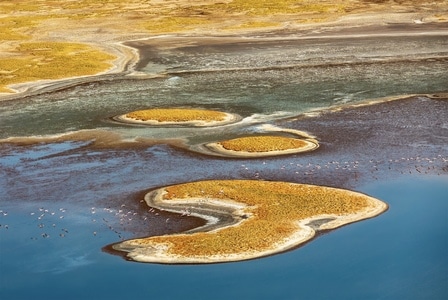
(175, 24)
(176, 115)
(241, 14)
(253, 24)
(8, 7)
(273, 210)
(262, 143)
(52, 60)
(14, 28)
(270, 7)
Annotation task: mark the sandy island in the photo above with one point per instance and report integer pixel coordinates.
(241, 147)
(106, 27)
(262, 146)
(246, 219)
(274, 141)
(178, 117)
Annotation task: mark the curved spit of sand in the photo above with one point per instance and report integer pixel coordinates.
(182, 117)
(246, 219)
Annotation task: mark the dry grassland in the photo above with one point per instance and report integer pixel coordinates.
(274, 208)
(100, 23)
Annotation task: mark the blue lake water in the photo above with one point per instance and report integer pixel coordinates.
(398, 255)
(63, 200)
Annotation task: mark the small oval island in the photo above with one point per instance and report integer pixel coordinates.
(246, 219)
(262, 145)
(178, 117)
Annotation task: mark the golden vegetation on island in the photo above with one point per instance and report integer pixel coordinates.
(274, 209)
(272, 7)
(13, 28)
(243, 14)
(262, 143)
(176, 24)
(177, 115)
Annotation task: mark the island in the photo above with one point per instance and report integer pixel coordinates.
(262, 145)
(178, 117)
(246, 219)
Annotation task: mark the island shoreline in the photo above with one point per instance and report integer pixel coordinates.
(224, 214)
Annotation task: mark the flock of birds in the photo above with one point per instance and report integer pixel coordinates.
(50, 222)
(352, 168)
(55, 222)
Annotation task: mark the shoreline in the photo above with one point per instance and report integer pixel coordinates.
(128, 54)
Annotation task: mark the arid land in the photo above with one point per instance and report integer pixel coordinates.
(45, 42)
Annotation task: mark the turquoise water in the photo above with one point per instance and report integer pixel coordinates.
(62, 202)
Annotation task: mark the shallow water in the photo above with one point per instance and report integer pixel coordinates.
(63, 201)
(258, 95)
